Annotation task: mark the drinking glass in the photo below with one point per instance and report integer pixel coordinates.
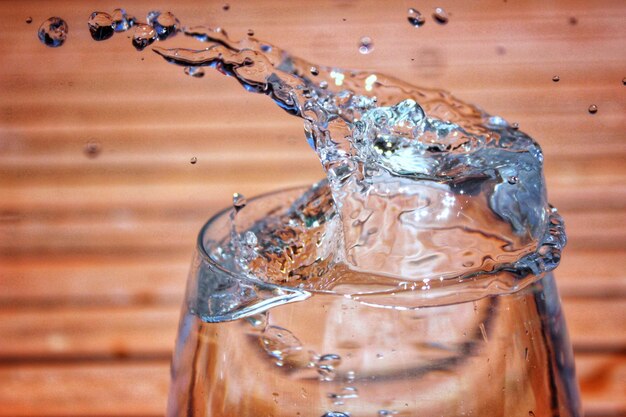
(248, 348)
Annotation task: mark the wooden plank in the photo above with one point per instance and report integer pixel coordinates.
(140, 389)
(109, 389)
(76, 332)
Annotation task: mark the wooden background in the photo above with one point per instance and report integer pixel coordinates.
(94, 251)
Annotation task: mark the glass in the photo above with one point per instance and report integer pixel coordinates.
(325, 355)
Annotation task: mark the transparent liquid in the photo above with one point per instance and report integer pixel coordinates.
(505, 355)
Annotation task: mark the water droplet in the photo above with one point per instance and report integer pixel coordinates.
(226, 7)
(500, 50)
(92, 149)
(144, 35)
(385, 413)
(193, 160)
(196, 72)
(29, 20)
(593, 109)
(335, 414)
(515, 125)
(165, 24)
(415, 18)
(323, 85)
(573, 21)
(512, 179)
(314, 71)
(624, 81)
(239, 201)
(53, 32)
(250, 32)
(531, 414)
(556, 78)
(121, 21)
(100, 26)
(279, 342)
(440, 16)
(380, 355)
(366, 45)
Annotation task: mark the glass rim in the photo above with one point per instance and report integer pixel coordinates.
(202, 250)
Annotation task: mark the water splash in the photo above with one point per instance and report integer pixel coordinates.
(53, 32)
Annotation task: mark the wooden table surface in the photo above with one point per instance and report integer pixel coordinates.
(94, 251)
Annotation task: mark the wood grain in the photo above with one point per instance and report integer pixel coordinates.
(94, 252)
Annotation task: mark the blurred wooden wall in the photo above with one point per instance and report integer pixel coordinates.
(94, 250)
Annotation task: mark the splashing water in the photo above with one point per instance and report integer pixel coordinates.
(53, 32)
(423, 191)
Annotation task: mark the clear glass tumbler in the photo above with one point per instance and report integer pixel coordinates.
(246, 348)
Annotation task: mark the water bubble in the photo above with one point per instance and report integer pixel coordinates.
(165, 24)
(556, 78)
(144, 35)
(92, 149)
(440, 16)
(121, 21)
(196, 72)
(279, 342)
(100, 26)
(326, 366)
(193, 160)
(250, 32)
(29, 20)
(239, 201)
(314, 71)
(53, 32)
(226, 7)
(366, 45)
(347, 393)
(512, 179)
(415, 18)
(593, 109)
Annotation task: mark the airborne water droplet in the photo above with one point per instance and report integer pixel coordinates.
(239, 201)
(593, 109)
(415, 18)
(366, 45)
(165, 24)
(121, 21)
(144, 35)
(92, 149)
(556, 78)
(440, 16)
(196, 72)
(100, 26)
(53, 32)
